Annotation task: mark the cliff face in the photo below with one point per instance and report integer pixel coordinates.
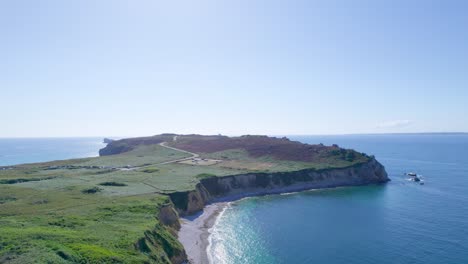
(238, 186)
(168, 216)
(160, 243)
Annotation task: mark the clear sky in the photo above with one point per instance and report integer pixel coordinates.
(130, 68)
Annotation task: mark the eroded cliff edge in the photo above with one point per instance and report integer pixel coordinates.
(237, 186)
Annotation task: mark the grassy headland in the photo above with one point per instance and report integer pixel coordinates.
(107, 209)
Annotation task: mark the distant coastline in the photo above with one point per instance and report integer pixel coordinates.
(14, 151)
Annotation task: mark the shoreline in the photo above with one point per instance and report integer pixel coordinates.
(195, 231)
(211, 195)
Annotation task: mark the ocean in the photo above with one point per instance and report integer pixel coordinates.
(399, 222)
(27, 150)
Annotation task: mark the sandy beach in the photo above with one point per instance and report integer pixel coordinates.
(194, 232)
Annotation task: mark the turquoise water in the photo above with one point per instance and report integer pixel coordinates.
(400, 222)
(27, 150)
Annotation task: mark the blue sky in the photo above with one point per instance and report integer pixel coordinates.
(130, 68)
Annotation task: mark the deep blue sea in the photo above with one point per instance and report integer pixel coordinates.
(400, 222)
(27, 150)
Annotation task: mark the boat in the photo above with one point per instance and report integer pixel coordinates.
(416, 178)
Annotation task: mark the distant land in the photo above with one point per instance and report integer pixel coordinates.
(107, 139)
(125, 205)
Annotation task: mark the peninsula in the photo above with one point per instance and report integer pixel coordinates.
(125, 205)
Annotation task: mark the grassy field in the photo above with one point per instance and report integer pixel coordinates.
(94, 210)
(239, 159)
(48, 214)
(71, 227)
(142, 155)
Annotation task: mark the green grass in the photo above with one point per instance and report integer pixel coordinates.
(157, 177)
(84, 214)
(149, 169)
(205, 175)
(143, 155)
(271, 164)
(76, 228)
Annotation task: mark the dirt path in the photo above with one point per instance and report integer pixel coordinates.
(163, 144)
(194, 155)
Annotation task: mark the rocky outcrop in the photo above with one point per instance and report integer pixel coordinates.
(238, 186)
(160, 244)
(107, 140)
(190, 202)
(161, 247)
(168, 216)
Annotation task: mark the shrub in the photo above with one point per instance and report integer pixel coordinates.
(113, 184)
(150, 170)
(7, 199)
(205, 175)
(91, 190)
(350, 156)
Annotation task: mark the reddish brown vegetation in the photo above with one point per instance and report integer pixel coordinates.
(256, 146)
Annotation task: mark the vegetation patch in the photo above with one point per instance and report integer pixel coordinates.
(68, 222)
(118, 184)
(150, 170)
(104, 171)
(67, 256)
(205, 175)
(258, 146)
(20, 180)
(40, 201)
(7, 199)
(91, 190)
(96, 253)
(79, 228)
(347, 154)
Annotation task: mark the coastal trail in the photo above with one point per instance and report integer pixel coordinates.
(194, 155)
(164, 144)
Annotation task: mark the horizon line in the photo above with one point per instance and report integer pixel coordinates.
(234, 135)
